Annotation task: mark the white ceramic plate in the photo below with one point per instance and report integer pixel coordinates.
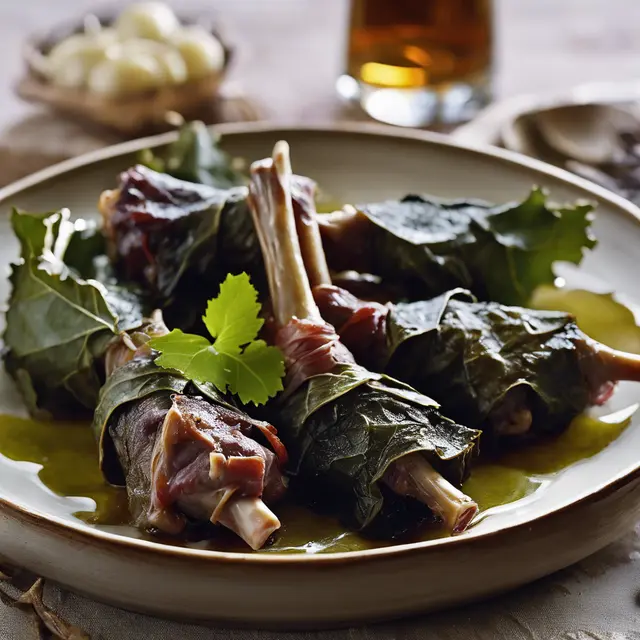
(579, 511)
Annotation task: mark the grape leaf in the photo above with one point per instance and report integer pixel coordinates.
(58, 324)
(428, 245)
(236, 361)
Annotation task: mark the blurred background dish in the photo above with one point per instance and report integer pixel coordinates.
(592, 130)
(127, 70)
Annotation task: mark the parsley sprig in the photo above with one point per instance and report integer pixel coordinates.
(236, 360)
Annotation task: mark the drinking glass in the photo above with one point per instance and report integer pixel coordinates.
(414, 62)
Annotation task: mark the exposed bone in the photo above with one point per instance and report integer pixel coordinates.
(335, 229)
(248, 517)
(271, 206)
(107, 207)
(251, 519)
(616, 365)
(413, 476)
(272, 210)
(225, 495)
(338, 219)
(315, 262)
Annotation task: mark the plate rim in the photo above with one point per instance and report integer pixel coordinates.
(357, 128)
(96, 536)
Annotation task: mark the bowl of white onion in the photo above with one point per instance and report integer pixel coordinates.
(128, 71)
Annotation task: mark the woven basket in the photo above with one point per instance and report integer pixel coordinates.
(132, 115)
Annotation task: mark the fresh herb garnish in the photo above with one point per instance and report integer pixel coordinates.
(236, 360)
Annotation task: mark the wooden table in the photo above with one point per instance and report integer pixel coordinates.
(289, 54)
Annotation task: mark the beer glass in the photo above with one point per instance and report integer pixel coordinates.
(413, 62)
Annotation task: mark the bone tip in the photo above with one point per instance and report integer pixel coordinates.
(261, 539)
(282, 157)
(260, 166)
(253, 521)
(465, 517)
(157, 317)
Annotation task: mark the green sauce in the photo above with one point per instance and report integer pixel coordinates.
(68, 456)
(519, 473)
(603, 316)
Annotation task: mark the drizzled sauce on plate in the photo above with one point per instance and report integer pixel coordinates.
(62, 457)
(67, 457)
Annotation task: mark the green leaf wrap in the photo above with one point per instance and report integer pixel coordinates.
(344, 429)
(58, 325)
(138, 379)
(470, 355)
(500, 253)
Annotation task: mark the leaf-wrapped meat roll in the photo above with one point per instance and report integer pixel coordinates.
(361, 441)
(513, 372)
(500, 253)
(184, 451)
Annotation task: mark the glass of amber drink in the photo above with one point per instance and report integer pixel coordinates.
(416, 62)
